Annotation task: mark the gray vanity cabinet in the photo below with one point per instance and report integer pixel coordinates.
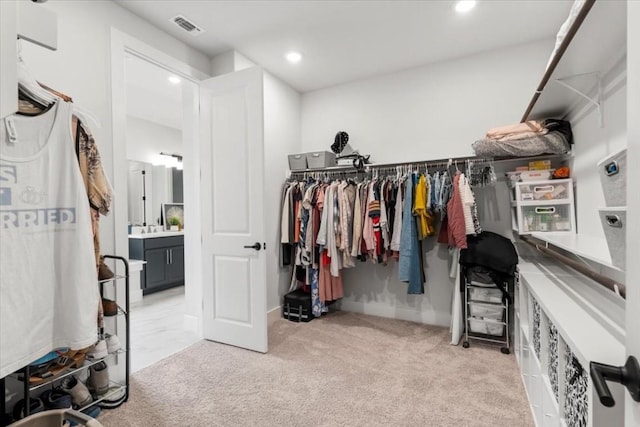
(165, 261)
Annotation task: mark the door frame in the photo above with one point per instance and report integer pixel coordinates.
(121, 45)
(632, 408)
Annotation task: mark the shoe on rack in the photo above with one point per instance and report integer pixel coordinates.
(98, 381)
(98, 351)
(56, 399)
(79, 392)
(109, 307)
(104, 272)
(35, 406)
(113, 343)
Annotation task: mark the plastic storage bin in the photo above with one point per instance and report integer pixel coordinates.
(614, 222)
(479, 326)
(546, 218)
(297, 161)
(524, 176)
(485, 311)
(543, 190)
(321, 159)
(488, 294)
(613, 177)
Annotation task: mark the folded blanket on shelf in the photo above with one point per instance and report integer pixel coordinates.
(517, 131)
(557, 140)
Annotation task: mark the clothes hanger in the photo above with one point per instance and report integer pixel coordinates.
(29, 85)
(43, 96)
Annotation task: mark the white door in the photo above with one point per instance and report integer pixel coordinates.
(632, 408)
(234, 273)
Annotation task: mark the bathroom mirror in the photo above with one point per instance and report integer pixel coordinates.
(149, 187)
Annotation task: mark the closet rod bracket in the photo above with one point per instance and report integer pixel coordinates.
(597, 101)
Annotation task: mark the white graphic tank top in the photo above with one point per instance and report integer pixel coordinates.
(48, 280)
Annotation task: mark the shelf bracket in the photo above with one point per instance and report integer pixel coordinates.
(597, 102)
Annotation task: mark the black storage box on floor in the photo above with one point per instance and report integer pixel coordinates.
(297, 306)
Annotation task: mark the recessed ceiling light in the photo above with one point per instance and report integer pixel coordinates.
(464, 6)
(174, 79)
(293, 57)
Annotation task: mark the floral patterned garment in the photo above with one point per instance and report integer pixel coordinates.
(317, 306)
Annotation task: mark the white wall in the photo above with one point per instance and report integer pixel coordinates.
(430, 112)
(81, 68)
(145, 140)
(593, 143)
(282, 123)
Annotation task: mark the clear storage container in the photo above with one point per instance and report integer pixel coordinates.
(486, 311)
(543, 190)
(546, 218)
(491, 294)
(480, 326)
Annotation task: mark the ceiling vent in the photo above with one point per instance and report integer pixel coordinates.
(187, 25)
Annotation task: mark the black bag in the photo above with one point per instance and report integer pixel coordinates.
(297, 306)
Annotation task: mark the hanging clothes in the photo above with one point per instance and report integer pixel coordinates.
(46, 232)
(456, 228)
(378, 220)
(426, 220)
(409, 262)
(472, 225)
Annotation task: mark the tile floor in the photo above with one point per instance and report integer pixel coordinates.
(157, 328)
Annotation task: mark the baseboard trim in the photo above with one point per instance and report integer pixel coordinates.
(192, 323)
(391, 312)
(273, 315)
(135, 296)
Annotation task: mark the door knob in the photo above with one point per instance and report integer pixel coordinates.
(627, 375)
(257, 246)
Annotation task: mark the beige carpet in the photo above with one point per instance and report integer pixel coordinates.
(344, 369)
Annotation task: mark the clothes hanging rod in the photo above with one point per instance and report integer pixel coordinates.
(618, 288)
(584, 11)
(454, 160)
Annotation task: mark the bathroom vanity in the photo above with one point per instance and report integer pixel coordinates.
(164, 255)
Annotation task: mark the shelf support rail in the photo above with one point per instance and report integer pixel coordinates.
(597, 102)
(618, 288)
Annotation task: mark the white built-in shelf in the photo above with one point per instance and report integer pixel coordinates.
(592, 248)
(599, 41)
(588, 337)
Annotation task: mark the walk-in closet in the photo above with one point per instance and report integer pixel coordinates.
(355, 213)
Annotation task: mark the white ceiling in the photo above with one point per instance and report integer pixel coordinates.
(344, 41)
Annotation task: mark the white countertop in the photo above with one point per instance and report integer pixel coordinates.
(156, 234)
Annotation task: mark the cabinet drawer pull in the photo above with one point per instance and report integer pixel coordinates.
(614, 221)
(549, 210)
(543, 189)
(611, 168)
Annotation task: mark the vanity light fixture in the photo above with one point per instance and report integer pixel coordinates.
(172, 160)
(293, 57)
(465, 6)
(174, 79)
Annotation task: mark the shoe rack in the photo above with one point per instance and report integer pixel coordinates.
(118, 391)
